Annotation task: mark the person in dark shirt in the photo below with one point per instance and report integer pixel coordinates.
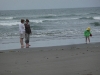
(27, 33)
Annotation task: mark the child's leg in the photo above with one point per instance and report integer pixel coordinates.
(89, 39)
(86, 39)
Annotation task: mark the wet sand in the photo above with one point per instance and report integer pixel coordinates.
(78, 59)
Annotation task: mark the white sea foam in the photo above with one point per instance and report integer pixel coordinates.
(97, 30)
(52, 15)
(9, 23)
(98, 18)
(9, 18)
(36, 21)
(45, 20)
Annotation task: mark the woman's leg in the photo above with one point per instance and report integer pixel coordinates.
(26, 40)
(22, 36)
(21, 42)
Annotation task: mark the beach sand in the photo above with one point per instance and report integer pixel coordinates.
(77, 59)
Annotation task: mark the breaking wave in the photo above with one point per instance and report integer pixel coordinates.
(86, 18)
(95, 23)
(94, 14)
(6, 18)
(91, 18)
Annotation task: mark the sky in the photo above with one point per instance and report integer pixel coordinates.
(46, 4)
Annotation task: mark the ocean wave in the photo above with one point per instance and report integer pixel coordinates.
(63, 18)
(69, 15)
(93, 14)
(6, 23)
(37, 21)
(15, 22)
(6, 18)
(86, 18)
(91, 18)
(57, 32)
(97, 18)
(51, 20)
(47, 16)
(56, 16)
(95, 23)
(44, 20)
(23, 17)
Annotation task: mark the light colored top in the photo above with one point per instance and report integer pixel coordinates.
(21, 28)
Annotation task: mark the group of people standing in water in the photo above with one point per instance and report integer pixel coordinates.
(25, 31)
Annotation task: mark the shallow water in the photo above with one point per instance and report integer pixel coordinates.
(49, 25)
(46, 43)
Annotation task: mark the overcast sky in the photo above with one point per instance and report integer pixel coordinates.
(46, 4)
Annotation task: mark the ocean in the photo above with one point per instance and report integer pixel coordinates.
(50, 27)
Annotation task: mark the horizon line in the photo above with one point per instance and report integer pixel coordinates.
(48, 8)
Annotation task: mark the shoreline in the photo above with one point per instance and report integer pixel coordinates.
(81, 45)
(47, 43)
(76, 59)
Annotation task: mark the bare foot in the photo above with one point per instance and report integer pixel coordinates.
(22, 46)
(27, 47)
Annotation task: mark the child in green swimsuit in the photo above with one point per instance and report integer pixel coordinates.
(87, 34)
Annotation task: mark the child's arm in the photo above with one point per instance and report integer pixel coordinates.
(84, 33)
(90, 34)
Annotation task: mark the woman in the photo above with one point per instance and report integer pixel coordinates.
(27, 33)
(22, 32)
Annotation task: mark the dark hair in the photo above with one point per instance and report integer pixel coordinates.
(27, 20)
(22, 20)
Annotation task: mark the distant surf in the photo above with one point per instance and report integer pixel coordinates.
(47, 25)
